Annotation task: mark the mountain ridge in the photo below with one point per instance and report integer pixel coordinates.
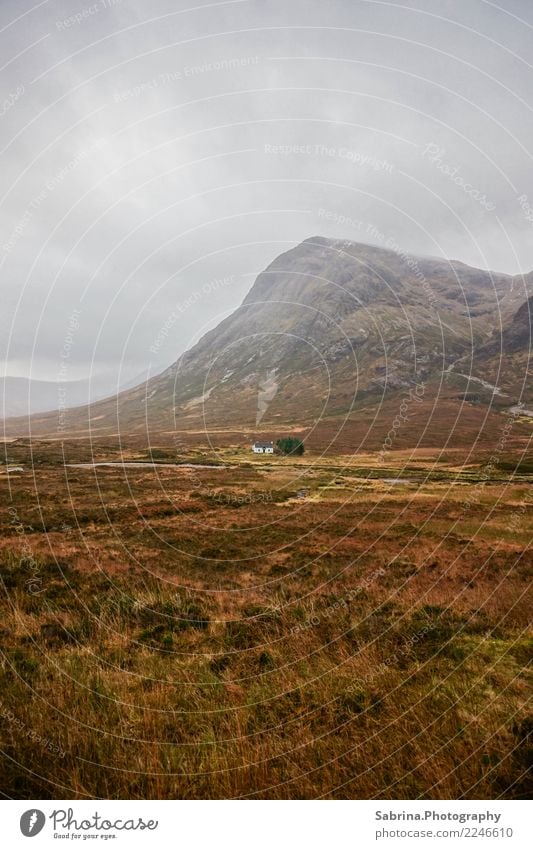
(328, 325)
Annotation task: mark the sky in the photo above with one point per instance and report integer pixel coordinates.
(155, 157)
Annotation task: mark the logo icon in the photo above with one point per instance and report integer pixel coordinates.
(32, 822)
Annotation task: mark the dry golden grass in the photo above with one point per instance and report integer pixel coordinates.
(206, 634)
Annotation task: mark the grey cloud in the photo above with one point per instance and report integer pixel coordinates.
(147, 153)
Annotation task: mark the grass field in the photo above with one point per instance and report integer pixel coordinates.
(327, 627)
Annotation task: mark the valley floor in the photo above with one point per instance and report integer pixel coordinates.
(323, 627)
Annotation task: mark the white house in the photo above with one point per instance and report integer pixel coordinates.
(263, 447)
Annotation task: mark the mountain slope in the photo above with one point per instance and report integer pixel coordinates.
(505, 361)
(328, 327)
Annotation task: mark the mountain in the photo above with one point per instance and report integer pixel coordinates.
(505, 360)
(21, 396)
(330, 327)
(516, 333)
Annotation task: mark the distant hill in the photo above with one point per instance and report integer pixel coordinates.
(20, 396)
(330, 327)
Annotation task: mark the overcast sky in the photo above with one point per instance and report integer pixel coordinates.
(156, 156)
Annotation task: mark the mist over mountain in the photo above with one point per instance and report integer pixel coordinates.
(22, 396)
(331, 325)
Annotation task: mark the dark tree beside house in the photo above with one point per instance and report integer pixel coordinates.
(290, 445)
